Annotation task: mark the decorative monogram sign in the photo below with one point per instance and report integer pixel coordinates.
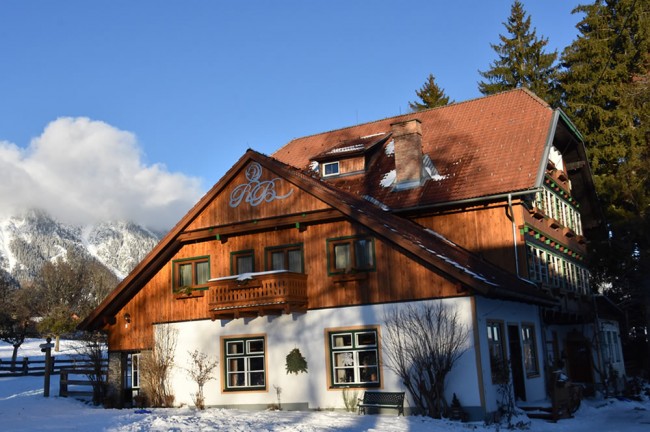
(255, 192)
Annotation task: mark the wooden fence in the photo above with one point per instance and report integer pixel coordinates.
(26, 366)
(72, 379)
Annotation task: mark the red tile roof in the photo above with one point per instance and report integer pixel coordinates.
(481, 147)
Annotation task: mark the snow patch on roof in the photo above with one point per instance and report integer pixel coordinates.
(355, 147)
(388, 179)
(376, 202)
(313, 165)
(390, 148)
(373, 135)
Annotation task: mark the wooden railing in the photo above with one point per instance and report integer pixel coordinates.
(263, 294)
(36, 366)
(72, 379)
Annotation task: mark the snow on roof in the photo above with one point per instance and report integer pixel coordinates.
(355, 147)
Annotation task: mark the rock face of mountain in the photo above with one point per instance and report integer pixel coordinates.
(29, 240)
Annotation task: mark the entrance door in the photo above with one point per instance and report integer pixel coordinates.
(516, 363)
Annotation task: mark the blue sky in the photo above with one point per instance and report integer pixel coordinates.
(190, 85)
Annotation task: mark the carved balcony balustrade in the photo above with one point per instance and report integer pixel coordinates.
(257, 294)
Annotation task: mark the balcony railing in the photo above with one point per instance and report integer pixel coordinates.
(258, 294)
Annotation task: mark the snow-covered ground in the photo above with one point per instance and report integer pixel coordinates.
(23, 408)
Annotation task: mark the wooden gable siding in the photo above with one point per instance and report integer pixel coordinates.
(484, 230)
(397, 278)
(351, 165)
(282, 196)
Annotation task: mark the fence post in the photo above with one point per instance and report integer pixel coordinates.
(25, 365)
(63, 385)
(52, 360)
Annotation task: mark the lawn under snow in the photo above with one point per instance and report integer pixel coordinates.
(23, 408)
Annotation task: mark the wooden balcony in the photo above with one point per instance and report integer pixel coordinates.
(258, 294)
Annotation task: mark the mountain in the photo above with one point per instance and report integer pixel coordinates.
(29, 240)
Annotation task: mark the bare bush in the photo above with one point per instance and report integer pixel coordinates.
(200, 371)
(94, 344)
(422, 343)
(157, 366)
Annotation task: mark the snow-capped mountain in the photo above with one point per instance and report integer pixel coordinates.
(29, 240)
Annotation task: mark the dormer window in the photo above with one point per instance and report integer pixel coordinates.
(330, 169)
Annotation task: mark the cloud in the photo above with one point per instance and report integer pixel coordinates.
(84, 171)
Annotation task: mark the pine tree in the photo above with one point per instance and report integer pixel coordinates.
(521, 61)
(430, 95)
(606, 94)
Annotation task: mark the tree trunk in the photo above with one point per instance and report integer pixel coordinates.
(57, 339)
(14, 356)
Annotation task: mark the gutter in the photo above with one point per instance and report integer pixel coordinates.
(472, 200)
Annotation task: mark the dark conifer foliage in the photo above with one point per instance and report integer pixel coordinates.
(430, 95)
(605, 92)
(521, 60)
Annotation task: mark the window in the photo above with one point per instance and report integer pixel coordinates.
(530, 350)
(496, 346)
(351, 254)
(354, 358)
(190, 272)
(330, 169)
(245, 363)
(287, 257)
(242, 262)
(556, 271)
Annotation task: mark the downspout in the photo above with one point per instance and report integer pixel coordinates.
(511, 215)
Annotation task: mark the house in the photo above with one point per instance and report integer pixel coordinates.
(484, 205)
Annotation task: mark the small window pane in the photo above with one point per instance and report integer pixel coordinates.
(277, 261)
(295, 260)
(367, 339)
(342, 340)
(235, 347)
(244, 264)
(342, 256)
(256, 346)
(363, 252)
(202, 272)
(184, 275)
(331, 168)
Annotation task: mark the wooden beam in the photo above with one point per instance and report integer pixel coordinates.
(222, 232)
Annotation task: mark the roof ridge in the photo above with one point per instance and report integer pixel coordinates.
(416, 113)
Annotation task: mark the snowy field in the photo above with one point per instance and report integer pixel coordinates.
(23, 408)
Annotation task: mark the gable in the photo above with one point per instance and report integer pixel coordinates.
(254, 193)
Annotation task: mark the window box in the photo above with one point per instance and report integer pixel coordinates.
(188, 292)
(348, 277)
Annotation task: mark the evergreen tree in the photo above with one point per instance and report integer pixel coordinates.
(521, 61)
(430, 95)
(605, 92)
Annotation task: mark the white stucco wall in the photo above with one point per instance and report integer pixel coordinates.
(509, 313)
(306, 332)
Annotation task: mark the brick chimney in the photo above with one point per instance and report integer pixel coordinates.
(407, 136)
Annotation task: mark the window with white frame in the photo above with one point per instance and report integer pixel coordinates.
(354, 358)
(556, 207)
(555, 271)
(245, 363)
(330, 168)
(497, 350)
(529, 347)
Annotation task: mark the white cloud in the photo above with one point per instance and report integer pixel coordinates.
(81, 170)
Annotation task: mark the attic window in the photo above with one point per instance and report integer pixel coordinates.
(330, 169)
